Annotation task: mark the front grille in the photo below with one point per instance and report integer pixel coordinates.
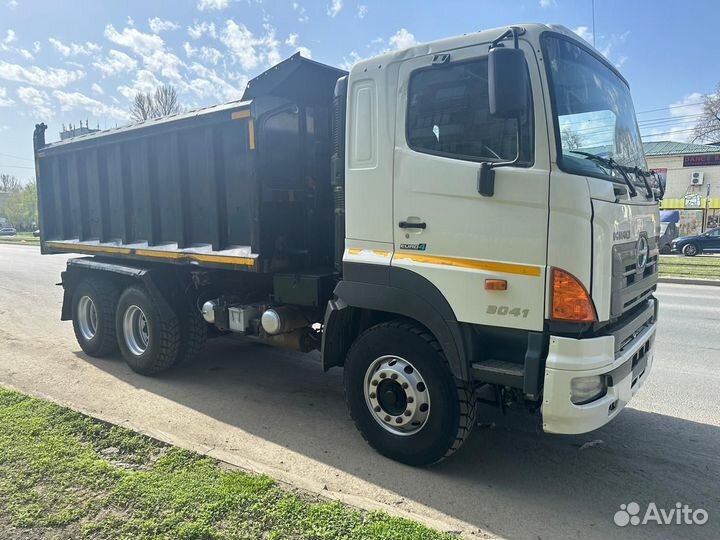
(630, 287)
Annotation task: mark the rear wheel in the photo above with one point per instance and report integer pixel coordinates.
(149, 340)
(93, 316)
(690, 250)
(193, 333)
(403, 397)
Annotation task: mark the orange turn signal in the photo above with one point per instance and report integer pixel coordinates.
(495, 285)
(570, 300)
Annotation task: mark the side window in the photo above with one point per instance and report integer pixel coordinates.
(448, 114)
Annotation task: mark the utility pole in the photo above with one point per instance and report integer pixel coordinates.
(707, 208)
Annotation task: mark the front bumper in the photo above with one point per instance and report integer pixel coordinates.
(626, 370)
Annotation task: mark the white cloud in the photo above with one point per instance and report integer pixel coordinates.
(547, 3)
(97, 89)
(27, 55)
(135, 40)
(74, 49)
(212, 5)
(70, 101)
(5, 101)
(402, 39)
(158, 25)
(362, 10)
(292, 41)
(301, 11)
(249, 50)
(209, 84)
(115, 62)
(334, 8)
(36, 47)
(683, 117)
(50, 77)
(10, 37)
(37, 100)
(144, 82)
(12, 4)
(607, 45)
(197, 30)
(150, 47)
(207, 54)
(585, 33)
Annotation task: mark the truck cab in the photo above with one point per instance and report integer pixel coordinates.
(540, 287)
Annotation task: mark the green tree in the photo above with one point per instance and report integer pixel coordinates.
(21, 207)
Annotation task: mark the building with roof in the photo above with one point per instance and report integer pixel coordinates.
(692, 180)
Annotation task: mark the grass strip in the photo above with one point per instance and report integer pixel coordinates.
(64, 475)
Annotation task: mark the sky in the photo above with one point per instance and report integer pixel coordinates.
(71, 61)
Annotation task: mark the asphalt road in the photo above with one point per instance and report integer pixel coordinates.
(276, 412)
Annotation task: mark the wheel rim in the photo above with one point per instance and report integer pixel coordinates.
(396, 395)
(136, 330)
(691, 250)
(87, 317)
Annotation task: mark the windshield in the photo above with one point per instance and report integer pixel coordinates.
(594, 112)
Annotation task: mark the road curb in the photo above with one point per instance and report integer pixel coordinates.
(690, 281)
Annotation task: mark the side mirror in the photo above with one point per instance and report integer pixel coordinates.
(508, 82)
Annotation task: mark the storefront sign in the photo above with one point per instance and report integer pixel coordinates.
(701, 160)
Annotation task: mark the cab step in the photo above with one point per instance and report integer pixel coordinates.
(499, 372)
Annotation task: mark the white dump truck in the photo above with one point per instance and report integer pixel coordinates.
(466, 220)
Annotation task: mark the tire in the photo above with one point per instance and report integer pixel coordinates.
(690, 250)
(665, 249)
(149, 340)
(452, 405)
(93, 316)
(193, 333)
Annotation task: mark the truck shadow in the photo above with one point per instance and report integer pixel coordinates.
(509, 478)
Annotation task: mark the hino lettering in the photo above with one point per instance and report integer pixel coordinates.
(424, 221)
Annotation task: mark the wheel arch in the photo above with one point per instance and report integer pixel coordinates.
(371, 294)
(83, 268)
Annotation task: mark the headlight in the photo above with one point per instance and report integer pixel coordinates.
(586, 389)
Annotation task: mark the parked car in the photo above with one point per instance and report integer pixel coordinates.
(8, 231)
(668, 233)
(709, 241)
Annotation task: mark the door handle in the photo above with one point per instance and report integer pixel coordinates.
(408, 225)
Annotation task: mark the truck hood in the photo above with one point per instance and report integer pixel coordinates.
(625, 255)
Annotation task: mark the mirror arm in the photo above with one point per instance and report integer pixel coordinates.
(486, 174)
(513, 31)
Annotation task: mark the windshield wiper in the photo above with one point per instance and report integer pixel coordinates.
(645, 175)
(609, 162)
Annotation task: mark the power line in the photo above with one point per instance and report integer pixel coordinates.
(16, 167)
(672, 107)
(15, 157)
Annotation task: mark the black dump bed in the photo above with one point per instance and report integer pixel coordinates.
(244, 185)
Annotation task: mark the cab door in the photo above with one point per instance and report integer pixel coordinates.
(444, 229)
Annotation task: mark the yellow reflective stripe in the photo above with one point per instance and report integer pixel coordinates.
(93, 249)
(354, 251)
(492, 266)
(173, 255)
(237, 115)
(381, 253)
(251, 133)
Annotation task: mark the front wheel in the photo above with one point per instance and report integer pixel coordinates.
(690, 250)
(149, 339)
(403, 396)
